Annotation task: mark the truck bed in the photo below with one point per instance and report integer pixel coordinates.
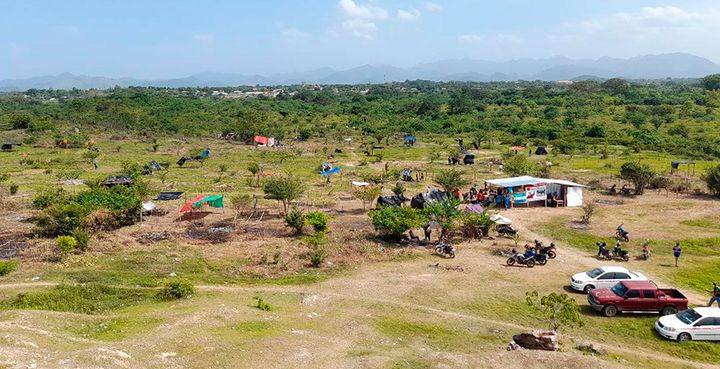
(671, 292)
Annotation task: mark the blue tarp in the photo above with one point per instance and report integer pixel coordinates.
(331, 171)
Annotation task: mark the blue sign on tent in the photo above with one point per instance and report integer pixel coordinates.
(331, 171)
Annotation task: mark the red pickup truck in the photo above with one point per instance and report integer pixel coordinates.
(637, 297)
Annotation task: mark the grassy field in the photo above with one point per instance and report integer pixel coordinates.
(371, 304)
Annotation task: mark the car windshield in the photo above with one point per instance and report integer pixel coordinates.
(688, 316)
(595, 272)
(619, 289)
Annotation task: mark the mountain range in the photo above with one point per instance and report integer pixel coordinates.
(673, 65)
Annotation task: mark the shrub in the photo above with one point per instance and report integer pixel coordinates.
(394, 221)
(475, 225)
(91, 298)
(176, 290)
(518, 165)
(13, 187)
(48, 198)
(399, 189)
(317, 256)
(284, 189)
(444, 213)
(659, 182)
(262, 304)
(295, 219)
(712, 179)
(82, 238)
(61, 220)
(66, 244)
(451, 179)
(588, 211)
(366, 194)
(241, 202)
(558, 308)
(7, 266)
(317, 220)
(638, 173)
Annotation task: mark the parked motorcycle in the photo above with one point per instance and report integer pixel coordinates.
(505, 230)
(521, 259)
(603, 251)
(445, 250)
(548, 250)
(540, 258)
(618, 252)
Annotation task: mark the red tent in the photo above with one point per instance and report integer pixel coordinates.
(262, 140)
(188, 205)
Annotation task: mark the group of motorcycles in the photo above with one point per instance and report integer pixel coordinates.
(617, 252)
(537, 254)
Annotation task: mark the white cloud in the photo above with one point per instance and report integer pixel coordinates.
(409, 15)
(291, 32)
(432, 7)
(353, 10)
(360, 28)
(647, 30)
(203, 37)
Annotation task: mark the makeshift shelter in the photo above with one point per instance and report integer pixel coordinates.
(419, 201)
(360, 184)
(264, 141)
(410, 140)
(113, 181)
(215, 201)
(675, 166)
(6, 147)
(154, 166)
(203, 155)
(499, 219)
(394, 200)
(469, 158)
(541, 150)
(474, 208)
(167, 196)
(527, 189)
(330, 171)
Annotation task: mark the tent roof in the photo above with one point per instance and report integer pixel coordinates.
(527, 180)
(499, 219)
(683, 162)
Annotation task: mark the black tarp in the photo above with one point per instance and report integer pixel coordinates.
(469, 159)
(6, 147)
(395, 200)
(541, 150)
(167, 196)
(154, 166)
(419, 201)
(182, 161)
(113, 181)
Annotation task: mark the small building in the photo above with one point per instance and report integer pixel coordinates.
(528, 190)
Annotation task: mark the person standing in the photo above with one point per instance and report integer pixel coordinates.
(677, 251)
(716, 295)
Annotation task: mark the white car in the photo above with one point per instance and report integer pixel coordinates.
(698, 324)
(603, 277)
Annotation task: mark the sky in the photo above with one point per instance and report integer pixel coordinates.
(157, 39)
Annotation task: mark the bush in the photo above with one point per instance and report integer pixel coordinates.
(262, 304)
(7, 266)
(317, 220)
(91, 298)
(659, 182)
(176, 290)
(61, 220)
(82, 238)
(366, 194)
(295, 219)
(394, 221)
(588, 211)
(451, 179)
(712, 179)
(638, 173)
(284, 189)
(241, 202)
(13, 187)
(398, 189)
(518, 165)
(317, 256)
(558, 309)
(475, 225)
(48, 198)
(66, 244)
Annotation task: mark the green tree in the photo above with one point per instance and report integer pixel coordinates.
(639, 174)
(558, 309)
(712, 179)
(711, 82)
(256, 170)
(284, 189)
(451, 179)
(445, 213)
(518, 165)
(394, 221)
(366, 194)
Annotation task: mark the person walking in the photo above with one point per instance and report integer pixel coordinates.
(716, 295)
(677, 251)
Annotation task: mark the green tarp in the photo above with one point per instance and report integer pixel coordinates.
(214, 201)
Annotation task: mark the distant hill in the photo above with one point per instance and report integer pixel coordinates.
(674, 65)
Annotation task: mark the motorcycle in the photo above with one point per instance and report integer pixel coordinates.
(548, 250)
(603, 251)
(540, 258)
(618, 252)
(506, 230)
(622, 234)
(520, 259)
(445, 250)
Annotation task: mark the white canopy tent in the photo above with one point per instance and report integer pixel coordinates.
(537, 189)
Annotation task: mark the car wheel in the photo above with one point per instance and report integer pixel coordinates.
(609, 311)
(588, 288)
(684, 337)
(530, 263)
(668, 310)
(510, 262)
